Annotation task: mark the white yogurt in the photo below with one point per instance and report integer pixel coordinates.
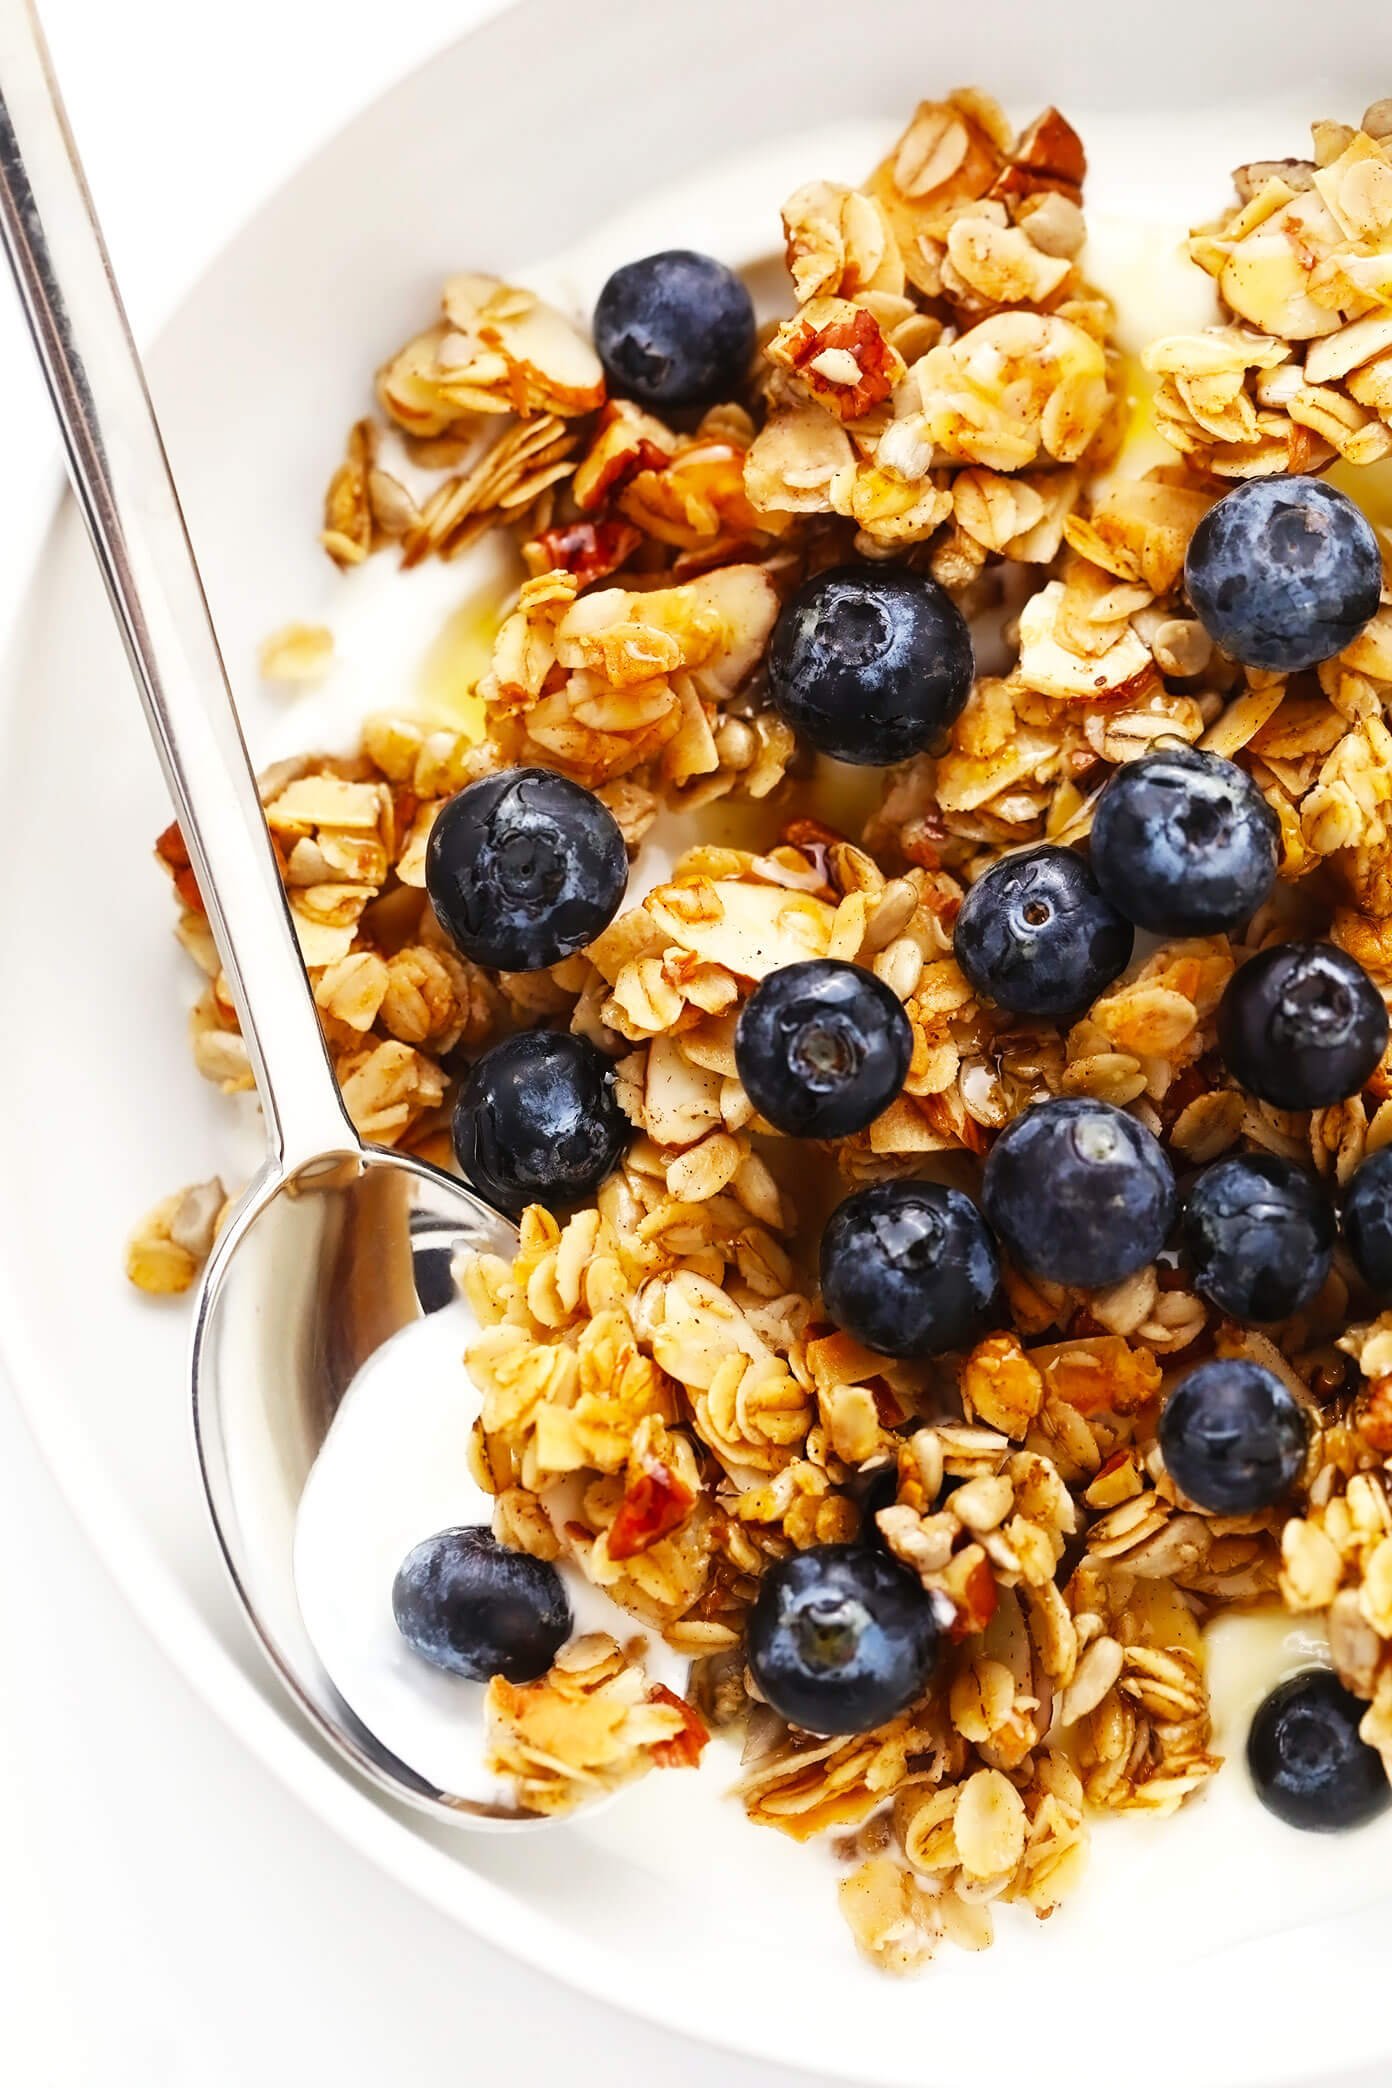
(394, 1469)
(1247, 1656)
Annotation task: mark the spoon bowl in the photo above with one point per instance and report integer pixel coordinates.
(314, 1274)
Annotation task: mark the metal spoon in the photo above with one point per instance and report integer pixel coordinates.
(313, 1272)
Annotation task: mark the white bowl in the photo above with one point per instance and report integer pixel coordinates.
(557, 131)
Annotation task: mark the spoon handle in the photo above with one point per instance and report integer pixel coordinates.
(122, 480)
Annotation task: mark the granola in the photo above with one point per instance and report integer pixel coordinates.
(664, 1402)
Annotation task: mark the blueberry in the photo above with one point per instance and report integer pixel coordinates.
(1368, 1221)
(841, 1638)
(822, 1048)
(1302, 1025)
(1307, 1761)
(1035, 935)
(1283, 572)
(1259, 1235)
(1184, 843)
(466, 1603)
(524, 868)
(909, 1268)
(674, 330)
(537, 1121)
(1233, 1437)
(870, 663)
(1079, 1193)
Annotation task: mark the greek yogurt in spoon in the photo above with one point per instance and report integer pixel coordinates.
(394, 1468)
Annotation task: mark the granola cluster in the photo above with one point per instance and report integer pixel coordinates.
(589, 1725)
(396, 999)
(1301, 373)
(664, 1401)
(948, 363)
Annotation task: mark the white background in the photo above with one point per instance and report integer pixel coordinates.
(168, 1917)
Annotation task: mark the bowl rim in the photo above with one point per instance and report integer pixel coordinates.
(385, 1835)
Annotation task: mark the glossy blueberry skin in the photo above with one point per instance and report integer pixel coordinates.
(1302, 1025)
(822, 1048)
(841, 1638)
(524, 868)
(1283, 572)
(1036, 936)
(467, 1604)
(537, 1122)
(1233, 1437)
(1079, 1193)
(871, 664)
(1367, 1221)
(1307, 1762)
(909, 1268)
(673, 330)
(1258, 1232)
(1184, 843)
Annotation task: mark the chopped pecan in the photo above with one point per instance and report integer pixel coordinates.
(1049, 155)
(628, 441)
(854, 345)
(590, 550)
(655, 1503)
(683, 1750)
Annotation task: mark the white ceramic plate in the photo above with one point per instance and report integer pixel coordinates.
(530, 139)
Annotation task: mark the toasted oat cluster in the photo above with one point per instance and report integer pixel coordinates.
(664, 1401)
(589, 1725)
